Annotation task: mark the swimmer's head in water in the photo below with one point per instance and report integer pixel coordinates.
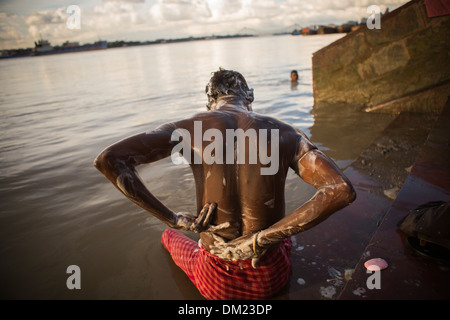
(294, 75)
(228, 82)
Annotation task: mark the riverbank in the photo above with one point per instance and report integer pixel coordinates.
(328, 260)
(402, 70)
(403, 66)
(412, 274)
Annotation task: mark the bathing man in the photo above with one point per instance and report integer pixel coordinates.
(244, 247)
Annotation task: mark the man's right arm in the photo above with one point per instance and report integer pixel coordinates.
(334, 192)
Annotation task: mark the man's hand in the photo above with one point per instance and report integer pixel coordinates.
(201, 223)
(242, 248)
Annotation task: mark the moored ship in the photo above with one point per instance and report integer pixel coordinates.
(43, 47)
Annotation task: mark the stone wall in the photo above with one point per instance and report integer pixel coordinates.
(405, 65)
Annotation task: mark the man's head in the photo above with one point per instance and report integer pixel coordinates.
(294, 75)
(228, 82)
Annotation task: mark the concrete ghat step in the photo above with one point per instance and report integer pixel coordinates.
(325, 255)
(410, 275)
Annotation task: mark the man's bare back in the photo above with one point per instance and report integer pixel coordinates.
(241, 211)
(249, 201)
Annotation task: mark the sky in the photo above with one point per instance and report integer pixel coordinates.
(24, 21)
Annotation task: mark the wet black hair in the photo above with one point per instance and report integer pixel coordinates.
(227, 82)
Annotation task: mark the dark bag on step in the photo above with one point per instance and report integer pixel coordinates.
(429, 222)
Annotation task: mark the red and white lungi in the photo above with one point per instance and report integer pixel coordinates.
(219, 279)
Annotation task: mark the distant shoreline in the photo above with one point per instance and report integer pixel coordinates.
(29, 52)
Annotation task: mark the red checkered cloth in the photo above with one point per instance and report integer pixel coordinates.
(218, 279)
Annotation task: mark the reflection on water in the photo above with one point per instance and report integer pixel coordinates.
(58, 112)
(342, 132)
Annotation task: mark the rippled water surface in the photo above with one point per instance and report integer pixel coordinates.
(58, 112)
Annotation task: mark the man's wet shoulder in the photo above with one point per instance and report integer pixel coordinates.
(275, 123)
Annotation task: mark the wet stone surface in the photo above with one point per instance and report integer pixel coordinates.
(388, 160)
(324, 258)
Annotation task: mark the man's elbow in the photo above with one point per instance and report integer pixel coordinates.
(348, 192)
(103, 160)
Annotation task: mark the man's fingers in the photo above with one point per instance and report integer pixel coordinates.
(201, 216)
(208, 217)
(219, 227)
(255, 262)
(217, 239)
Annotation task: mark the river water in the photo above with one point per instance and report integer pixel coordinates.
(58, 112)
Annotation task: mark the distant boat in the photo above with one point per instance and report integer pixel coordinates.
(15, 53)
(43, 47)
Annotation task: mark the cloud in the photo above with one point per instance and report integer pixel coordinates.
(107, 20)
(133, 1)
(180, 10)
(319, 6)
(229, 7)
(152, 19)
(11, 27)
(116, 14)
(46, 17)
